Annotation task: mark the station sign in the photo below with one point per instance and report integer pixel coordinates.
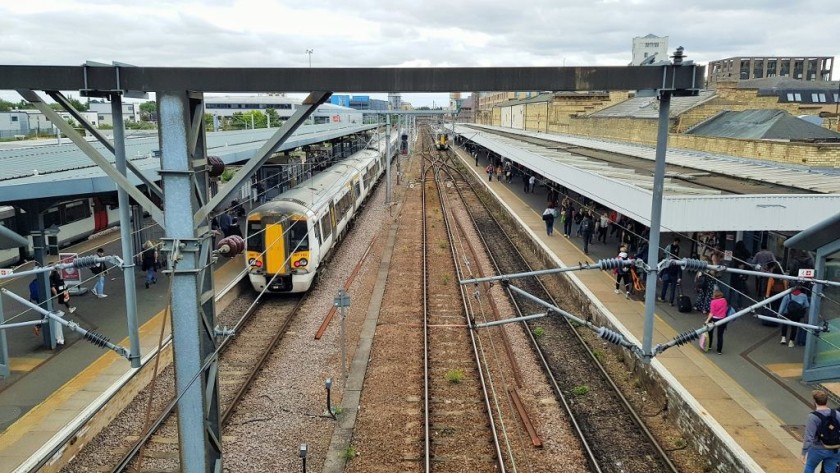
(6, 272)
(71, 276)
(807, 273)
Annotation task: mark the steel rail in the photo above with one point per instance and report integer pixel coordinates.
(546, 367)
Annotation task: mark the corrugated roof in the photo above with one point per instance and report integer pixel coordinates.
(648, 107)
(78, 175)
(762, 125)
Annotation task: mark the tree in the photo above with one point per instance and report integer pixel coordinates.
(274, 118)
(148, 111)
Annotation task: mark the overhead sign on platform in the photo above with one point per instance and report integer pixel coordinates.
(71, 276)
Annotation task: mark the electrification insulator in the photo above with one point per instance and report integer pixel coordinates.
(613, 337)
(231, 246)
(85, 261)
(693, 264)
(613, 263)
(686, 337)
(215, 166)
(99, 340)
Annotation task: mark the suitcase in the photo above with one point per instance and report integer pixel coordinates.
(683, 301)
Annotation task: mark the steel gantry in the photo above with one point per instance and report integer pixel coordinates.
(187, 205)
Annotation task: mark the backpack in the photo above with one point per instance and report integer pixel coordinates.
(33, 291)
(828, 432)
(795, 309)
(586, 225)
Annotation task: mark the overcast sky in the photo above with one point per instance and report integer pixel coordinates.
(375, 33)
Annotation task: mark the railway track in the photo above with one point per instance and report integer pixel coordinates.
(458, 424)
(597, 407)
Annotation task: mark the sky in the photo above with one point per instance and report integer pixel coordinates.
(430, 33)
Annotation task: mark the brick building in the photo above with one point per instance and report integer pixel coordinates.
(810, 68)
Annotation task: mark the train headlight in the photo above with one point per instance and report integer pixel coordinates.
(302, 262)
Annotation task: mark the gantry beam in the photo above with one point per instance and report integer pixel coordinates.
(362, 79)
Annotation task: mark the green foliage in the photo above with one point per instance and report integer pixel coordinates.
(455, 376)
(273, 118)
(148, 111)
(445, 279)
(105, 126)
(337, 410)
(598, 354)
(350, 453)
(130, 125)
(227, 175)
(580, 390)
(6, 106)
(539, 331)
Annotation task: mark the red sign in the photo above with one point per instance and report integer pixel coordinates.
(70, 275)
(336, 118)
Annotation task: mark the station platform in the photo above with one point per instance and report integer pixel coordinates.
(48, 389)
(753, 390)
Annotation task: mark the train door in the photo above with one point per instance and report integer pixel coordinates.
(100, 215)
(275, 254)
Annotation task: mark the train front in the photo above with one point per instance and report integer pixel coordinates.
(278, 252)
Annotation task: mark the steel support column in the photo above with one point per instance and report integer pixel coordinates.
(655, 221)
(125, 233)
(192, 311)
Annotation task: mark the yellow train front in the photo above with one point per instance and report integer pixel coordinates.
(441, 141)
(290, 237)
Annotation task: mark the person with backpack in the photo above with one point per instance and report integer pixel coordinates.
(822, 436)
(548, 218)
(793, 307)
(622, 275)
(99, 270)
(774, 286)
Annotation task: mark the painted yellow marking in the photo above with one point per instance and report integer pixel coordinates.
(786, 370)
(25, 363)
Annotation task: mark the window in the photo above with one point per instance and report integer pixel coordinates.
(771, 68)
(745, 70)
(818, 98)
(75, 211)
(326, 227)
(758, 69)
(790, 97)
(797, 97)
(255, 236)
(14, 119)
(785, 69)
(298, 236)
(836, 98)
(797, 69)
(646, 54)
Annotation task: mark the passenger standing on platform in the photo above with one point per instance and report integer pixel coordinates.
(671, 276)
(814, 448)
(475, 155)
(224, 222)
(548, 218)
(586, 229)
(59, 291)
(614, 216)
(568, 216)
(99, 270)
(622, 273)
(490, 170)
(794, 306)
(602, 228)
(704, 285)
(532, 181)
(774, 285)
(762, 259)
(739, 281)
(718, 310)
(150, 263)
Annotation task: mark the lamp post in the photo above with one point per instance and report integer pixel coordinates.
(309, 52)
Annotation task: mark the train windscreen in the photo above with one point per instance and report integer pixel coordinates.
(255, 237)
(298, 236)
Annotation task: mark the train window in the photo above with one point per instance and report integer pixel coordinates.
(75, 211)
(326, 228)
(255, 236)
(52, 217)
(298, 236)
(317, 229)
(358, 190)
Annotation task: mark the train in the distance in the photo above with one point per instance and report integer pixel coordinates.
(290, 237)
(441, 140)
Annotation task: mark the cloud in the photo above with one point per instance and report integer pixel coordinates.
(375, 33)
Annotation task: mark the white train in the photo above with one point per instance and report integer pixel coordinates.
(76, 220)
(290, 237)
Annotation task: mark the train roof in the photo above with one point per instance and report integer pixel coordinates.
(315, 192)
